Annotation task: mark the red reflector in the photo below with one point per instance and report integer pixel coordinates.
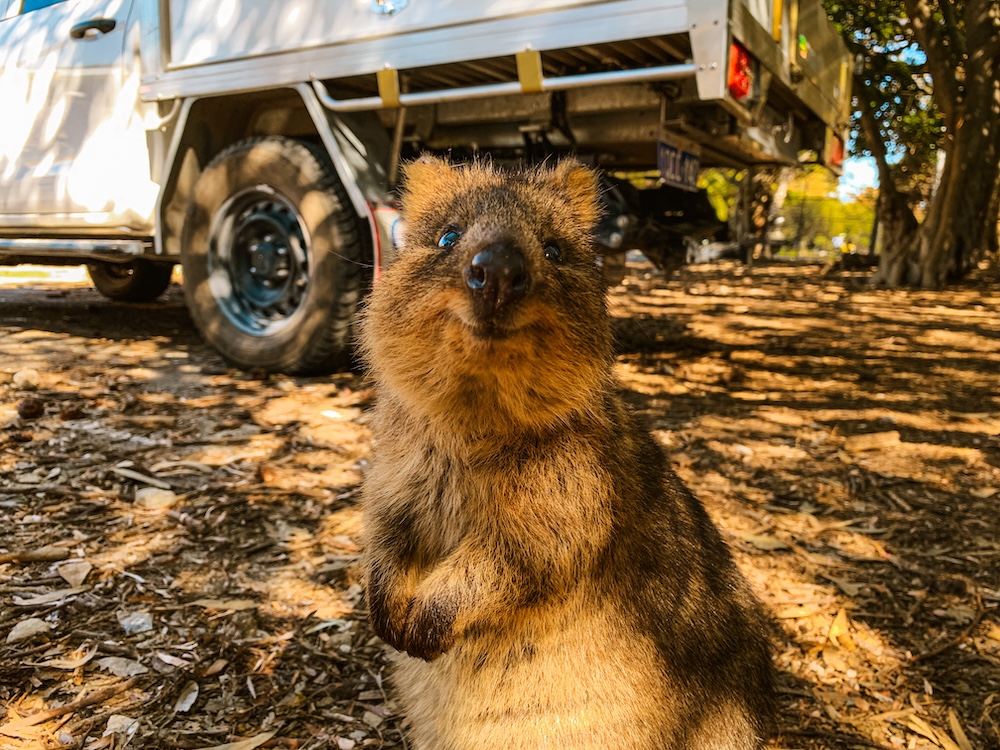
(837, 152)
(740, 72)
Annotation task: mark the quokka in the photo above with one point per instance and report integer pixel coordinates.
(549, 580)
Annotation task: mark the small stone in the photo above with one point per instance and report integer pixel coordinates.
(136, 622)
(30, 408)
(26, 379)
(25, 629)
(154, 498)
(372, 719)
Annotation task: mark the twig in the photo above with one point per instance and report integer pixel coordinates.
(140, 477)
(10, 729)
(978, 618)
(833, 736)
(42, 554)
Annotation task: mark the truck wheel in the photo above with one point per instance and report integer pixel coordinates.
(135, 281)
(272, 257)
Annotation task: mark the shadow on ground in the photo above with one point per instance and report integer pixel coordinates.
(180, 556)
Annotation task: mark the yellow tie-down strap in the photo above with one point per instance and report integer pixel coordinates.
(388, 86)
(529, 70)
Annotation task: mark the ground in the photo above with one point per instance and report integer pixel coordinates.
(179, 544)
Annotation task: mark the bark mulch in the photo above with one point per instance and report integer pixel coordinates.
(179, 555)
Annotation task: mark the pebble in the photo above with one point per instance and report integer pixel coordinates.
(27, 378)
(30, 408)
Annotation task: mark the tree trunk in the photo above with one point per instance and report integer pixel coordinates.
(898, 227)
(991, 240)
(896, 223)
(754, 213)
(954, 234)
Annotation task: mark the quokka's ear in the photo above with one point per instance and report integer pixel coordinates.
(425, 181)
(578, 184)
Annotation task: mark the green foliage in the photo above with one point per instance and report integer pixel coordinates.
(812, 214)
(892, 82)
(722, 186)
(816, 220)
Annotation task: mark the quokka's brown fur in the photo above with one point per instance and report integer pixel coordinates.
(550, 580)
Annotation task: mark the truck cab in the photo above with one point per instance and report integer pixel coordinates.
(258, 144)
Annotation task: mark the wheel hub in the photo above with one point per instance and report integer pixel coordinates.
(269, 262)
(258, 246)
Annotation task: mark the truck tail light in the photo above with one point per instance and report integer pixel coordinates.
(740, 72)
(836, 152)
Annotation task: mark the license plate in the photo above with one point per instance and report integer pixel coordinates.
(678, 167)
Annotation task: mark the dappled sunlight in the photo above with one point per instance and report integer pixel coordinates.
(845, 441)
(127, 193)
(131, 547)
(78, 150)
(849, 455)
(201, 524)
(18, 84)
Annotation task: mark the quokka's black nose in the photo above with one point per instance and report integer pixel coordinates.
(498, 275)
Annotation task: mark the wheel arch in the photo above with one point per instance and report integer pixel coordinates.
(357, 146)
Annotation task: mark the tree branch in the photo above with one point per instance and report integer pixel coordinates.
(935, 38)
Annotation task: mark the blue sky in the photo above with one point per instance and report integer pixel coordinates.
(859, 173)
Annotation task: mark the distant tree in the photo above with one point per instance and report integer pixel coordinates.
(722, 187)
(928, 83)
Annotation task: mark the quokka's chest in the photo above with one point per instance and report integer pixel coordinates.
(572, 669)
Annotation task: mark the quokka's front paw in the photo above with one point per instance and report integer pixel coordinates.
(430, 628)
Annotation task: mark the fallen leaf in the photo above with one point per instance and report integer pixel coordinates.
(149, 420)
(762, 541)
(232, 605)
(847, 587)
(121, 667)
(189, 694)
(797, 610)
(921, 727)
(247, 744)
(49, 598)
(173, 661)
(27, 628)
(984, 492)
(75, 572)
(215, 667)
(71, 663)
(173, 465)
(840, 631)
(122, 727)
(871, 441)
(957, 731)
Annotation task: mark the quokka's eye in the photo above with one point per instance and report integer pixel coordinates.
(553, 252)
(449, 237)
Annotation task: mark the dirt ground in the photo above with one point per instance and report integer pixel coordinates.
(179, 540)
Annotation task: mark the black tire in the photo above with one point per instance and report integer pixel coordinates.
(272, 254)
(135, 281)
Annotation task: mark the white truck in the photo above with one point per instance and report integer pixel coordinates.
(257, 142)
